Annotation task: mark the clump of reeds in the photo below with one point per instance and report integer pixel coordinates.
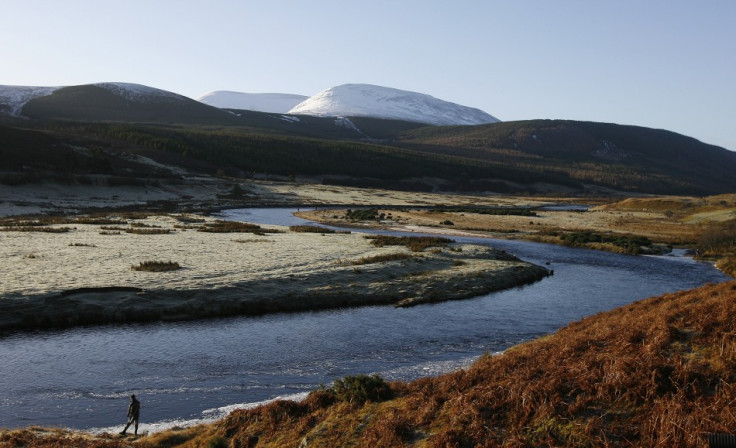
(413, 243)
(35, 229)
(156, 266)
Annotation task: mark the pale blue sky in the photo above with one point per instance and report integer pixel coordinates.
(667, 64)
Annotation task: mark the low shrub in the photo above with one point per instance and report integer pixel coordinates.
(365, 214)
(361, 388)
(156, 266)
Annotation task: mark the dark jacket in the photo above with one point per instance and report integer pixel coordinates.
(134, 410)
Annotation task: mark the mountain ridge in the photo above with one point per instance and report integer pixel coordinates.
(347, 100)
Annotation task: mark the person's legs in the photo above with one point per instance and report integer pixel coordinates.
(128, 426)
(136, 427)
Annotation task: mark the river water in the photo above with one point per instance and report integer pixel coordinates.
(190, 372)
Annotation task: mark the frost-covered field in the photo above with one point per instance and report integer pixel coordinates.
(62, 279)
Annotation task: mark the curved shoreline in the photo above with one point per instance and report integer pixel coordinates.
(70, 308)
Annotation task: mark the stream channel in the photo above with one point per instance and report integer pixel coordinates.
(190, 372)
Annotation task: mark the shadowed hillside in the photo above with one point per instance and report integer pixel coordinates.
(627, 158)
(95, 103)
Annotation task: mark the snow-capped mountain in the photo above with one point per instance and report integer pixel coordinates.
(13, 98)
(279, 103)
(384, 102)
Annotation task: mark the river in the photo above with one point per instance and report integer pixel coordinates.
(190, 372)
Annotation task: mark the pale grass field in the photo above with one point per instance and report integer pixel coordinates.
(37, 262)
(83, 276)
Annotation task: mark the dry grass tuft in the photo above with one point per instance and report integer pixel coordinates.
(310, 229)
(156, 266)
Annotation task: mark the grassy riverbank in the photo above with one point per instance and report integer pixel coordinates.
(67, 271)
(658, 372)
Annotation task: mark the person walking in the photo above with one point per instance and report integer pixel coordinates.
(134, 413)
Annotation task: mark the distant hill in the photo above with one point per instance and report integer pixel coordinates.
(627, 158)
(122, 102)
(365, 100)
(260, 102)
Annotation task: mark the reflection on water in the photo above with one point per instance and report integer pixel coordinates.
(185, 372)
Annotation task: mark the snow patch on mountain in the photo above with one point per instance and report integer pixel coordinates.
(137, 92)
(384, 102)
(13, 98)
(279, 103)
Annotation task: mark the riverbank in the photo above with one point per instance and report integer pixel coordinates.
(122, 268)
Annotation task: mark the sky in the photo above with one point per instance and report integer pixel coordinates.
(668, 64)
